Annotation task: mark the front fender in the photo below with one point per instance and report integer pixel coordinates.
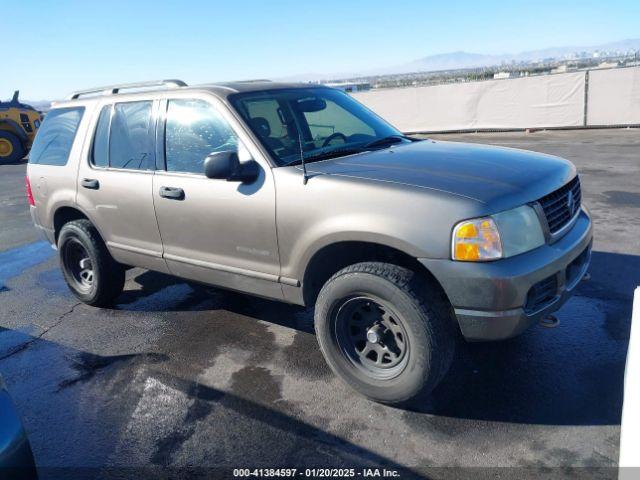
(332, 232)
(331, 209)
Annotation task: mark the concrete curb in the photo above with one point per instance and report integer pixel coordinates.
(630, 426)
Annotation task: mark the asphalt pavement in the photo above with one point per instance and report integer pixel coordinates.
(180, 376)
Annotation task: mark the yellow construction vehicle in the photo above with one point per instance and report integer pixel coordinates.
(18, 126)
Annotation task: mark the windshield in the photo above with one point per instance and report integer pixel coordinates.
(327, 122)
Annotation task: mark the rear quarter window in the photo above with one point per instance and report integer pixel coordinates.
(55, 138)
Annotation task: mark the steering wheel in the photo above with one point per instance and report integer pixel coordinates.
(333, 136)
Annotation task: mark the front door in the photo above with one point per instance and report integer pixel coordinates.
(215, 231)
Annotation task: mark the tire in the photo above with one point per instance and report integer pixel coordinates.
(88, 268)
(11, 148)
(414, 339)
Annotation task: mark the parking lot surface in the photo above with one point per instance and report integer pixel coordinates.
(180, 375)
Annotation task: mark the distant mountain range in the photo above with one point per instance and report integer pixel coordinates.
(461, 60)
(458, 60)
(42, 105)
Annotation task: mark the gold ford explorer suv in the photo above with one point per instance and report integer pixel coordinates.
(301, 194)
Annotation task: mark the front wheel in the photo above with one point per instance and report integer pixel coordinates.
(88, 268)
(385, 330)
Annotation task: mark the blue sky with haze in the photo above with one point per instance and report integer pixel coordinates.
(61, 46)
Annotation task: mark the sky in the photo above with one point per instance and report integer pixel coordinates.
(60, 46)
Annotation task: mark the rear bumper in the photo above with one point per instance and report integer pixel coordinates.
(494, 301)
(48, 234)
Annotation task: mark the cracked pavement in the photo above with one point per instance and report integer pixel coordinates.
(179, 375)
(21, 346)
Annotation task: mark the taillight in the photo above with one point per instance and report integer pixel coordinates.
(29, 192)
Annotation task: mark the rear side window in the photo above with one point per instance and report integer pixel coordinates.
(125, 137)
(100, 156)
(131, 139)
(55, 138)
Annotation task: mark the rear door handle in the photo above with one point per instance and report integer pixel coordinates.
(172, 193)
(90, 183)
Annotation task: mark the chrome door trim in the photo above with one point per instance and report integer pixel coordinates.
(141, 251)
(236, 270)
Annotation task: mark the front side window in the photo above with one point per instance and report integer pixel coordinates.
(320, 122)
(54, 140)
(131, 138)
(195, 129)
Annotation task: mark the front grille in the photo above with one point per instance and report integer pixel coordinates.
(541, 294)
(561, 206)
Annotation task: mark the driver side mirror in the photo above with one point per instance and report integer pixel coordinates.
(226, 166)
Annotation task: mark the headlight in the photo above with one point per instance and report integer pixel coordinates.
(477, 240)
(502, 235)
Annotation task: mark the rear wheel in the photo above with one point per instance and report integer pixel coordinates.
(385, 330)
(11, 148)
(88, 268)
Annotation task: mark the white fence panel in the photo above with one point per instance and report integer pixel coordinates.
(630, 425)
(614, 97)
(532, 102)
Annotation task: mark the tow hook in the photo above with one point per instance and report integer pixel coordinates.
(586, 277)
(550, 321)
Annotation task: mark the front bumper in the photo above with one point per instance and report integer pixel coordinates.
(493, 300)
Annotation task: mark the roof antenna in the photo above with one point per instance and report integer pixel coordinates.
(305, 177)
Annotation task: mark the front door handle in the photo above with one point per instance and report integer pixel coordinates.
(90, 183)
(172, 193)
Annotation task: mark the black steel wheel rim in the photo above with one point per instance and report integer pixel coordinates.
(372, 336)
(78, 264)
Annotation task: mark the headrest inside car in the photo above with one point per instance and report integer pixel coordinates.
(261, 125)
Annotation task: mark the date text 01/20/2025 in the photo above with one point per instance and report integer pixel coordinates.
(316, 472)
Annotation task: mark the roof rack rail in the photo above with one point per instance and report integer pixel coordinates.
(114, 89)
(255, 80)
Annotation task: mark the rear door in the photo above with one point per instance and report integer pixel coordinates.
(215, 231)
(115, 183)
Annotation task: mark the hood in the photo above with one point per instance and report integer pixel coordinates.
(498, 176)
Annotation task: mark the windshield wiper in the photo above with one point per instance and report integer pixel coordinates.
(337, 152)
(390, 140)
(343, 151)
